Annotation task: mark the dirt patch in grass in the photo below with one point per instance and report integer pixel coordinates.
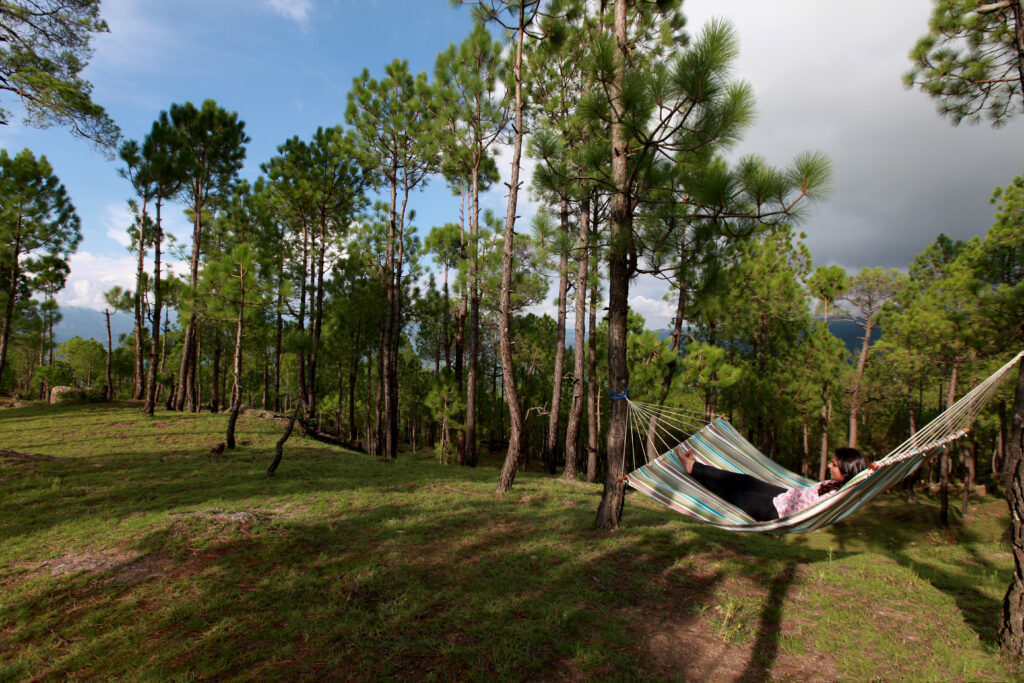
(15, 456)
(692, 650)
(240, 517)
(123, 566)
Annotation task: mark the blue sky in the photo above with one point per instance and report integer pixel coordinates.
(826, 76)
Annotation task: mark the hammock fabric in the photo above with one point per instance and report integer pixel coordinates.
(719, 444)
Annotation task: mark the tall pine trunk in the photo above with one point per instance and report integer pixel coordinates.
(572, 429)
(236, 392)
(609, 513)
(869, 326)
(944, 455)
(140, 277)
(593, 417)
(549, 455)
(108, 391)
(158, 302)
(508, 470)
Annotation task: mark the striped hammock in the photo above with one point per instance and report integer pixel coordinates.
(719, 444)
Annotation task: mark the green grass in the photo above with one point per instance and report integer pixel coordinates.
(135, 554)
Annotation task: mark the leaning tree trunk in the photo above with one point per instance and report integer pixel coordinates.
(508, 470)
(609, 513)
(279, 447)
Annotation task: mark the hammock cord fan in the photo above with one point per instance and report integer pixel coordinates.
(719, 444)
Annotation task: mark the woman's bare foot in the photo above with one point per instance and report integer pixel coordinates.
(687, 458)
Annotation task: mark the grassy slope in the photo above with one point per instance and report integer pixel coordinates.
(135, 554)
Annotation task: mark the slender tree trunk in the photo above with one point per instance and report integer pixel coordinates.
(188, 398)
(609, 513)
(108, 391)
(823, 421)
(869, 326)
(508, 470)
(278, 338)
(460, 343)
(318, 313)
(549, 455)
(944, 461)
(236, 392)
(969, 450)
(279, 447)
(593, 419)
(158, 302)
(140, 277)
(572, 429)
(1001, 455)
(303, 288)
(473, 373)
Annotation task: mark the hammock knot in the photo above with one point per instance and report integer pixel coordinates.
(619, 395)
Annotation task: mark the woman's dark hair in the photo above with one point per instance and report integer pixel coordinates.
(851, 463)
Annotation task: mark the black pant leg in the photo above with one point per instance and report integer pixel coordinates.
(748, 493)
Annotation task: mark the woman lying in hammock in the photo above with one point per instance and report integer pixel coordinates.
(765, 502)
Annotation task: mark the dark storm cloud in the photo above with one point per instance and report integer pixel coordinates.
(828, 77)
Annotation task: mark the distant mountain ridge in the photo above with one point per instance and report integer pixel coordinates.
(91, 324)
(848, 331)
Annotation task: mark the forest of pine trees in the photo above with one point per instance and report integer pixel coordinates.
(312, 292)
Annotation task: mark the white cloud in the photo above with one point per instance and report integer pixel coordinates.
(117, 219)
(93, 274)
(657, 313)
(298, 11)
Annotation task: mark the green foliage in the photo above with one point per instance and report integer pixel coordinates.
(42, 54)
(970, 61)
(85, 358)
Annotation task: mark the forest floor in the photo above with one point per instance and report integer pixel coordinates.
(128, 551)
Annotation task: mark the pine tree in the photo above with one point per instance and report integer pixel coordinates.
(397, 137)
(38, 227)
(972, 60)
(44, 49)
(214, 143)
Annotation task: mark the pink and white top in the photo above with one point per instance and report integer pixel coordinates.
(794, 500)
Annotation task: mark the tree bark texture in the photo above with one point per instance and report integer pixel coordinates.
(862, 359)
(550, 453)
(108, 391)
(508, 470)
(572, 429)
(609, 513)
(1011, 633)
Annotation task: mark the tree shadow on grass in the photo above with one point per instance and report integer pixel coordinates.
(370, 594)
(904, 526)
